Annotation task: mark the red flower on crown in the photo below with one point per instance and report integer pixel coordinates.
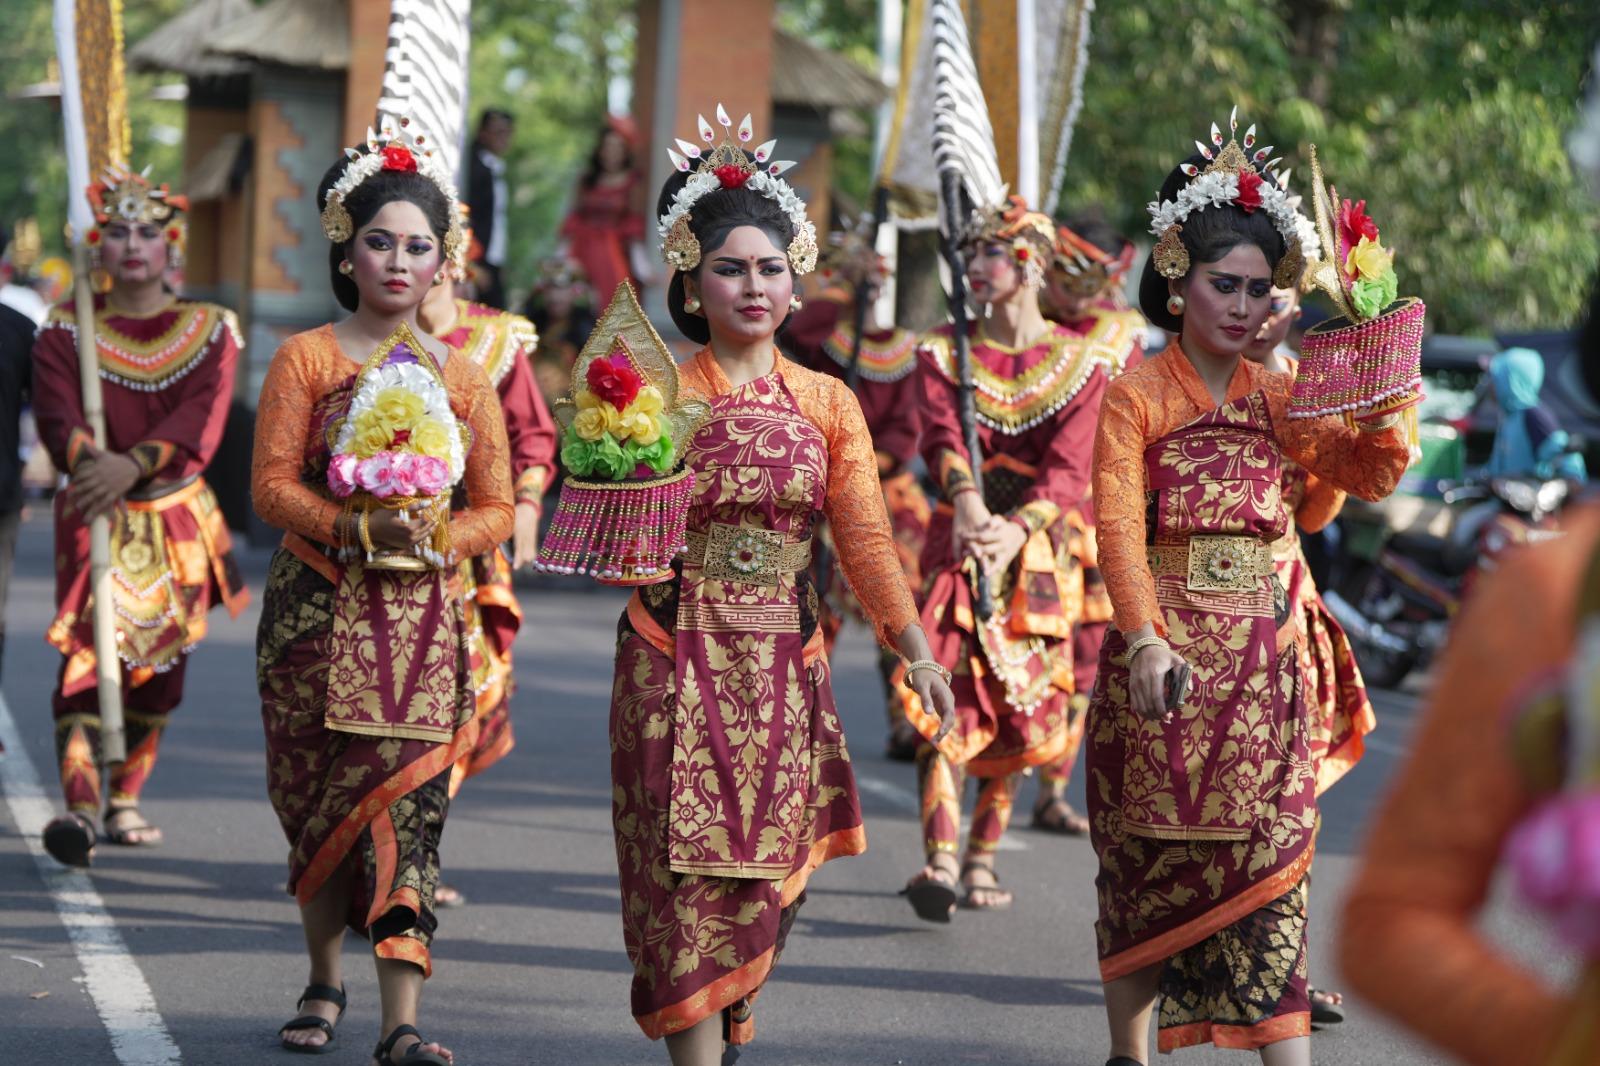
(398, 157)
(1355, 223)
(1249, 197)
(614, 380)
(732, 176)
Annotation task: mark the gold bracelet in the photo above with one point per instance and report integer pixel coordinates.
(1378, 426)
(362, 517)
(1141, 644)
(925, 664)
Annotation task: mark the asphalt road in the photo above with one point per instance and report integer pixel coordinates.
(532, 970)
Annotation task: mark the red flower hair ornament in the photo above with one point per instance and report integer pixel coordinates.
(1249, 197)
(398, 157)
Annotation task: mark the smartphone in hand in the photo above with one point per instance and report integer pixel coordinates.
(1177, 686)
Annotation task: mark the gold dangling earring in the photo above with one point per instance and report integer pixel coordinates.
(439, 276)
(1175, 305)
(345, 268)
(795, 303)
(691, 305)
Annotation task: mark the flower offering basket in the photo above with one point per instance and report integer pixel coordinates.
(397, 446)
(1365, 364)
(624, 504)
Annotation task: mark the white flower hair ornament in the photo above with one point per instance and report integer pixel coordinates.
(1234, 176)
(391, 148)
(731, 165)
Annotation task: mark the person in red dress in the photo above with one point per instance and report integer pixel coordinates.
(820, 336)
(607, 218)
(1038, 394)
(166, 373)
(1083, 292)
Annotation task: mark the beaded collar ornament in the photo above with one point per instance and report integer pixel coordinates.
(731, 166)
(123, 196)
(390, 149)
(1234, 175)
(1031, 235)
(1086, 268)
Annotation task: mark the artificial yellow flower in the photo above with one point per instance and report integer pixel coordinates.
(398, 408)
(644, 428)
(591, 420)
(1369, 259)
(371, 435)
(430, 437)
(649, 402)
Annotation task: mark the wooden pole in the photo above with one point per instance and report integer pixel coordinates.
(108, 664)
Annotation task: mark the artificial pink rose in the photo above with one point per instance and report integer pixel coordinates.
(342, 474)
(376, 475)
(1555, 854)
(403, 474)
(432, 475)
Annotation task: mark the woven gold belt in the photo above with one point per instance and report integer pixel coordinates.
(746, 553)
(1214, 563)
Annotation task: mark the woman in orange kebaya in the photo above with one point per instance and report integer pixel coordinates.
(1202, 792)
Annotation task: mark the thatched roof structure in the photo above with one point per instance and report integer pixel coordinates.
(310, 34)
(808, 76)
(182, 44)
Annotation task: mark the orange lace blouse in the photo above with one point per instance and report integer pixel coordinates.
(1411, 940)
(854, 500)
(1165, 393)
(310, 365)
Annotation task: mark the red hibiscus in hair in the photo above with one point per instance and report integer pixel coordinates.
(1355, 223)
(614, 381)
(731, 176)
(1249, 197)
(396, 157)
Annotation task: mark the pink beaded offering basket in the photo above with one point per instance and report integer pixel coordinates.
(624, 504)
(1366, 363)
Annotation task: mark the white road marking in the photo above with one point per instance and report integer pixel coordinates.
(903, 799)
(126, 1005)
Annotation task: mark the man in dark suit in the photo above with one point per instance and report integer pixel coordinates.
(488, 199)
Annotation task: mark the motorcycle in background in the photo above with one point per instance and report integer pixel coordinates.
(1397, 602)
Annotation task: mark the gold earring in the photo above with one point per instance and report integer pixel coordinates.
(345, 268)
(1175, 304)
(439, 276)
(795, 303)
(691, 305)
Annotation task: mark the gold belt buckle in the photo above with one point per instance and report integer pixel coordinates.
(1224, 564)
(743, 553)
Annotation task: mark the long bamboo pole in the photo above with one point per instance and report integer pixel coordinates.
(108, 669)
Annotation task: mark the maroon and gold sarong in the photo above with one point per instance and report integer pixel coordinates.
(1341, 713)
(492, 617)
(1203, 826)
(731, 781)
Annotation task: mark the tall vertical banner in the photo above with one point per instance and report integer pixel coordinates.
(1029, 59)
(94, 111)
(425, 72)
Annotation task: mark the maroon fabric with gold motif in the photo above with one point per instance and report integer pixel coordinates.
(1203, 825)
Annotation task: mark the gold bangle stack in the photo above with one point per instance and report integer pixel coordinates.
(367, 546)
(1141, 644)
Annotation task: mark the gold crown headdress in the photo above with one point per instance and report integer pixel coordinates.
(390, 149)
(1234, 175)
(1032, 235)
(851, 256)
(123, 196)
(731, 165)
(1088, 268)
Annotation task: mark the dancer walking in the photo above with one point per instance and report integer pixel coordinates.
(731, 778)
(166, 374)
(362, 667)
(1039, 386)
(1203, 802)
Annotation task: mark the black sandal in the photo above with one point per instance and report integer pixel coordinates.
(70, 840)
(415, 1057)
(934, 898)
(1058, 816)
(971, 904)
(1324, 1011)
(122, 834)
(327, 994)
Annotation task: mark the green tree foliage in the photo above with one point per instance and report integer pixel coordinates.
(33, 181)
(1448, 118)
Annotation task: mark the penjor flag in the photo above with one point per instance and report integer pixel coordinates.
(425, 72)
(94, 97)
